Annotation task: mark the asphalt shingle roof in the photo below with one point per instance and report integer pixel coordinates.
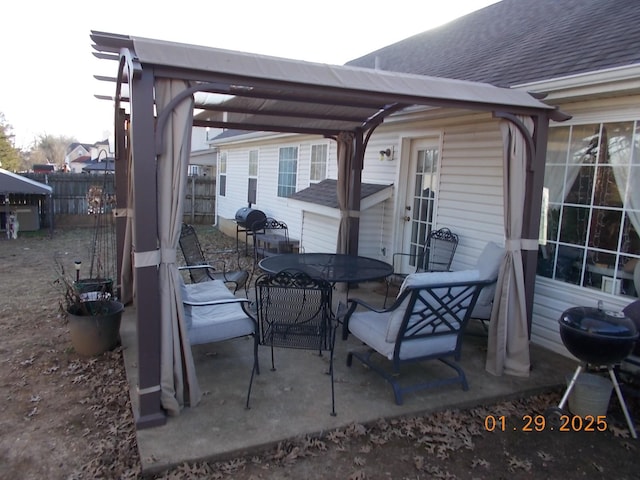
(326, 192)
(519, 41)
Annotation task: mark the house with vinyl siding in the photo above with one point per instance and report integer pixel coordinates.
(444, 168)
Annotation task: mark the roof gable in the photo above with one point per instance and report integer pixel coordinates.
(518, 41)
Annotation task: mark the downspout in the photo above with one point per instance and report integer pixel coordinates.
(215, 189)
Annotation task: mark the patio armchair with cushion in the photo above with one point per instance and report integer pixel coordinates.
(214, 314)
(426, 322)
(294, 311)
(201, 270)
(435, 256)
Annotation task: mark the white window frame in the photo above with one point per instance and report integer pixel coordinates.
(222, 174)
(570, 157)
(252, 176)
(320, 172)
(287, 170)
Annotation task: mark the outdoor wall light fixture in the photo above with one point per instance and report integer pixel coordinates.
(387, 154)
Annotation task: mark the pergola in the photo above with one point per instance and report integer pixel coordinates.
(164, 82)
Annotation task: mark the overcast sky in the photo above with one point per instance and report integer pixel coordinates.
(47, 84)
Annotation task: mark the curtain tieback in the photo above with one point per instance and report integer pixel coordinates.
(148, 390)
(153, 258)
(123, 212)
(514, 244)
(349, 213)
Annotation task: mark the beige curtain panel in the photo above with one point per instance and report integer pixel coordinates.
(508, 343)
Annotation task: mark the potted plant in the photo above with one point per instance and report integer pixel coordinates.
(92, 311)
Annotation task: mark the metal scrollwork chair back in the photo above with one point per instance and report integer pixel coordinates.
(435, 256)
(293, 310)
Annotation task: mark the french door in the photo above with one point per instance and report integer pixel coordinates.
(420, 201)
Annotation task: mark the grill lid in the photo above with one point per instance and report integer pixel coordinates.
(594, 321)
(250, 218)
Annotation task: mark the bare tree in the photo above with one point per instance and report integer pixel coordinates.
(51, 149)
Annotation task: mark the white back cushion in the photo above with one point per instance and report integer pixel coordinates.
(416, 280)
(488, 264)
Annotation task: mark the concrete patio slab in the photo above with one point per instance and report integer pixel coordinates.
(295, 400)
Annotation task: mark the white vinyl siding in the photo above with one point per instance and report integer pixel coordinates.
(372, 238)
(470, 191)
(319, 233)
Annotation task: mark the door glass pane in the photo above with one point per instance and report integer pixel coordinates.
(423, 198)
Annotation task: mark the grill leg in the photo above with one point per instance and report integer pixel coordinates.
(570, 387)
(623, 404)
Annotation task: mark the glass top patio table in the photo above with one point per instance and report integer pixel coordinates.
(332, 267)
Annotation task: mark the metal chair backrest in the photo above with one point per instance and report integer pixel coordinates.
(294, 311)
(193, 254)
(438, 252)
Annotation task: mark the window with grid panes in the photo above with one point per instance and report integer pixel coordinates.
(318, 163)
(252, 186)
(222, 174)
(287, 171)
(592, 182)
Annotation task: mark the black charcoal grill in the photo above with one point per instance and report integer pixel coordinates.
(247, 217)
(248, 220)
(600, 338)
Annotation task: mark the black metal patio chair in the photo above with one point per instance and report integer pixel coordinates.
(435, 256)
(270, 237)
(202, 270)
(294, 311)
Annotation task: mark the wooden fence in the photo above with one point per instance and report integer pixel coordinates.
(70, 196)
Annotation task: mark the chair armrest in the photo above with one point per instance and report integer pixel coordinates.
(195, 267)
(216, 302)
(355, 302)
(401, 254)
(344, 313)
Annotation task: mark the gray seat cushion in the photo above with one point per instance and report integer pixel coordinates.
(371, 328)
(214, 323)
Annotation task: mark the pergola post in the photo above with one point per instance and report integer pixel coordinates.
(355, 189)
(122, 191)
(146, 240)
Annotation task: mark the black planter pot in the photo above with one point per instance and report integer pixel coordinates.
(95, 326)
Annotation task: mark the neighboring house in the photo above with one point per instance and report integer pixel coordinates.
(446, 169)
(82, 155)
(76, 151)
(76, 165)
(105, 165)
(203, 157)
